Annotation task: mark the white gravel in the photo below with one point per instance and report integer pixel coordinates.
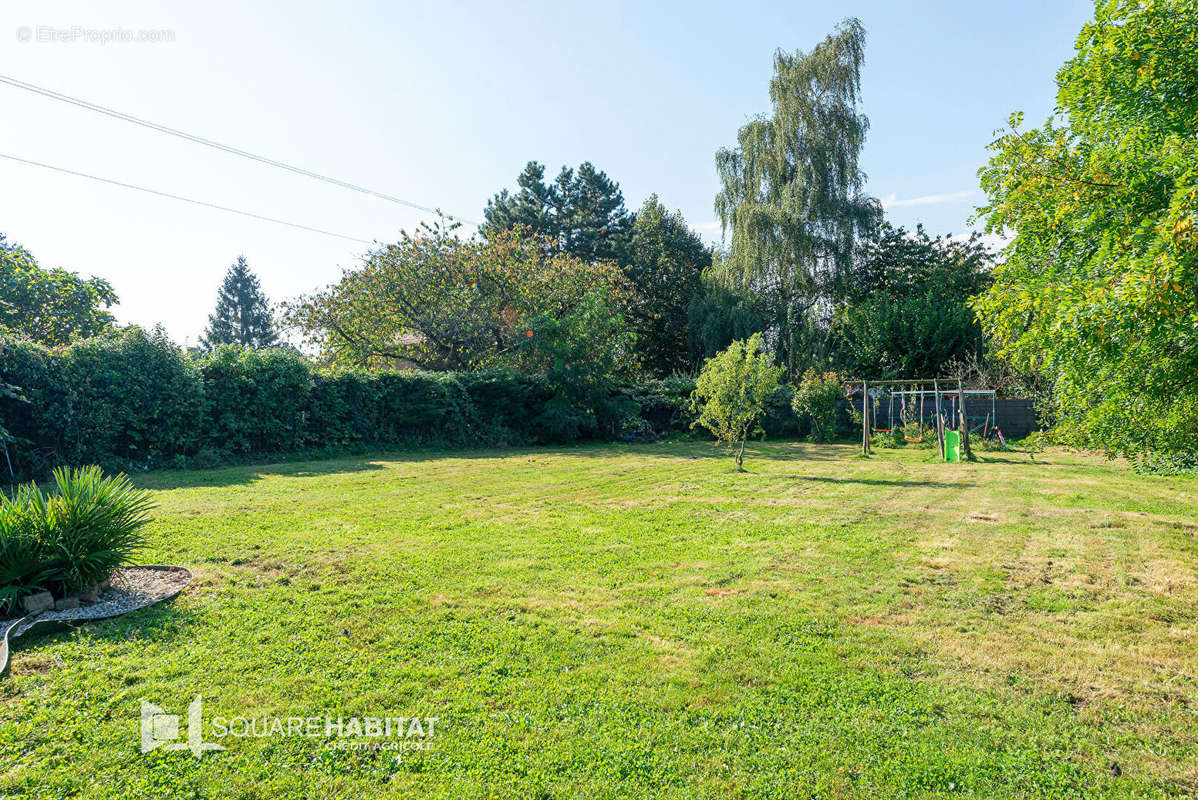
(131, 588)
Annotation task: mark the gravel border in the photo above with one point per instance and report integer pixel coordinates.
(130, 589)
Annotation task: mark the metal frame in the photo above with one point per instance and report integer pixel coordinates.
(958, 405)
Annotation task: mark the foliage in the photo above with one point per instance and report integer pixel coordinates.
(242, 314)
(793, 194)
(129, 400)
(438, 302)
(905, 337)
(50, 306)
(35, 406)
(1098, 291)
(70, 538)
(94, 521)
(581, 355)
(24, 567)
(125, 399)
(581, 214)
(731, 392)
(896, 262)
(718, 316)
(133, 400)
(666, 261)
(820, 396)
(254, 400)
(665, 404)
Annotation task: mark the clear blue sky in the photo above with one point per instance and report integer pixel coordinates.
(443, 105)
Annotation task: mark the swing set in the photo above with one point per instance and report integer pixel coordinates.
(919, 408)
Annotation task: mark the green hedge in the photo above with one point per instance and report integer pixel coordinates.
(133, 401)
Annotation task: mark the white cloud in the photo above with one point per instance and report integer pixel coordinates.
(891, 201)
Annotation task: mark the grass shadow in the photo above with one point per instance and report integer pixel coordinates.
(870, 481)
(245, 474)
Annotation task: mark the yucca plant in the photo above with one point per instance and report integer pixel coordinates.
(95, 522)
(71, 537)
(26, 566)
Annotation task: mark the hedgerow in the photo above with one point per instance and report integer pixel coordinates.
(133, 401)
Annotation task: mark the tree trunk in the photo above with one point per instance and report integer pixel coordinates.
(740, 457)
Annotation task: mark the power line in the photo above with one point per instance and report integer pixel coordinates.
(184, 199)
(19, 84)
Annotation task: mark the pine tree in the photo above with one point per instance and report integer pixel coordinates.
(582, 211)
(242, 314)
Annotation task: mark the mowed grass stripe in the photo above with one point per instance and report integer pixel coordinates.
(615, 621)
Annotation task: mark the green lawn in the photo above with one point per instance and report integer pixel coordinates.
(616, 621)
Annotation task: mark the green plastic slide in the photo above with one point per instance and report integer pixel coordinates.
(952, 447)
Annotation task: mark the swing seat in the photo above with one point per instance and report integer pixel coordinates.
(909, 439)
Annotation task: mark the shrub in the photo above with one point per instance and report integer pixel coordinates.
(254, 399)
(505, 404)
(70, 538)
(819, 397)
(121, 399)
(423, 407)
(38, 408)
(780, 419)
(24, 568)
(338, 411)
(732, 391)
(664, 404)
(134, 400)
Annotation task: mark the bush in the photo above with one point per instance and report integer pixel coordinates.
(132, 400)
(663, 404)
(36, 409)
(505, 404)
(731, 392)
(125, 399)
(71, 538)
(820, 397)
(254, 399)
(780, 420)
(135, 400)
(24, 568)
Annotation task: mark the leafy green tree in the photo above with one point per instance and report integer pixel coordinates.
(582, 355)
(1098, 291)
(731, 393)
(242, 314)
(50, 306)
(580, 214)
(793, 194)
(901, 263)
(906, 337)
(906, 314)
(665, 268)
(435, 301)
